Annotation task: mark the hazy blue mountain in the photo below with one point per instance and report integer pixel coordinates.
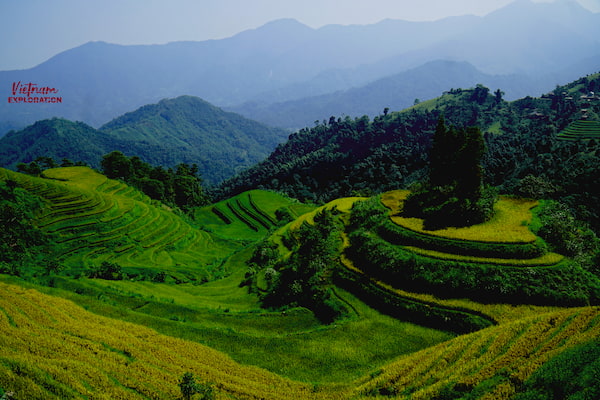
(286, 60)
(396, 92)
(185, 129)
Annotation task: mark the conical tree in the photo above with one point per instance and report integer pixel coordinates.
(452, 194)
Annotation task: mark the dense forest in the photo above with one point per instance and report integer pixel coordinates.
(523, 156)
(181, 130)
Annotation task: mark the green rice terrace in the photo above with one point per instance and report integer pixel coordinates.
(237, 293)
(581, 129)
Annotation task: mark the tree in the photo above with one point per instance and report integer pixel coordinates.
(116, 165)
(66, 163)
(189, 387)
(454, 194)
(32, 168)
(498, 96)
(480, 93)
(46, 162)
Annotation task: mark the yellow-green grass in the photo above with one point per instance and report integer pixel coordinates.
(547, 259)
(228, 318)
(218, 295)
(53, 349)
(91, 223)
(509, 224)
(497, 359)
(292, 344)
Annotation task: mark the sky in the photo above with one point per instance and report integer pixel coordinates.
(33, 31)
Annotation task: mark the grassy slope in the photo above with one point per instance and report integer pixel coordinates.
(94, 219)
(220, 313)
(54, 349)
(227, 318)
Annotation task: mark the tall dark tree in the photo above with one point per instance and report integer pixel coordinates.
(116, 165)
(468, 169)
(453, 195)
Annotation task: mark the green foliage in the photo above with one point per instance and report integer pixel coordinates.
(189, 130)
(408, 309)
(372, 215)
(305, 278)
(453, 195)
(377, 248)
(4, 395)
(174, 131)
(572, 375)
(106, 270)
(181, 187)
(342, 156)
(21, 243)
(563, 284)
(564, 233)
(189, 388)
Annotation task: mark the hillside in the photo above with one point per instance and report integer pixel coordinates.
(343, 156)
(285, 60)
(56, 138)
(92, 220)
(345, 295)
(424, 341)
(185, 129)
(117, 359)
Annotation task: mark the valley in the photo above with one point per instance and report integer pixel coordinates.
(445, 249)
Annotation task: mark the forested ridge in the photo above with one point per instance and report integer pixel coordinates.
(345, 156)
(181, 130)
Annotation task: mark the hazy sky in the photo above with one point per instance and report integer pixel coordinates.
(32, 31)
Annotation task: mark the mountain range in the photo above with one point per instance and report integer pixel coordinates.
(185, 129)
(539, 45)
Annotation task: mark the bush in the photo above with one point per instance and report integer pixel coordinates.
(305, 278)
(563, 232)
(189, 387)
(106, 270)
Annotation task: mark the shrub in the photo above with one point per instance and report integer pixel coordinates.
(106, 270)
(189, 387)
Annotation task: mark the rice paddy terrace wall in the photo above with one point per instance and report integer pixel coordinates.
(500, 261)
(93, 219)
(581, 130)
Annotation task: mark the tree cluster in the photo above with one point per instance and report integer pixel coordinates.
(21, 244)
(37, 166)
(180, 187)
(453, 194)
(305, 279)
(345, 156)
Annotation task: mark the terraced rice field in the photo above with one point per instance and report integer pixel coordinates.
(581, 130)
(505, 240)
(51, 348)
(495, 361)
(93, 219)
